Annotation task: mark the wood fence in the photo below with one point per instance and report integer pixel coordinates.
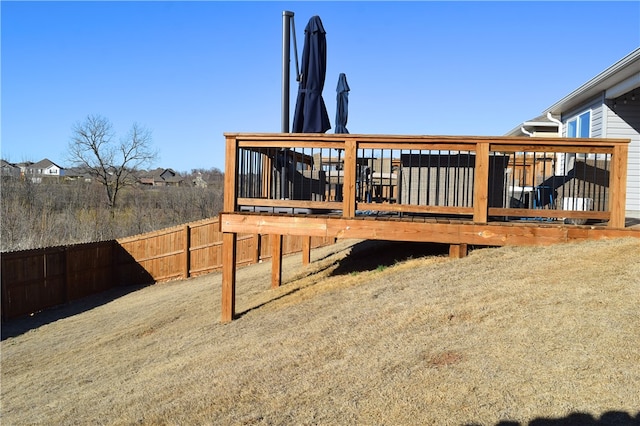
(33, 280)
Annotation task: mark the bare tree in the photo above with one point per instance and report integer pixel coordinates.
(113, 164)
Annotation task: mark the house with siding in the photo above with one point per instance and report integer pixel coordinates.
(9, 170)
(607, 106)
(43, 169)
(161, 177)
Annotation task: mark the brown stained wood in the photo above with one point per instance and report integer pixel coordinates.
(313, 143)
(368, 138)
(276, 260)
(231, 153)
(228, 276)
(81, 270)
(263, 202)
(605, 148)
(267, 164)
(306, 250)
(407, 208)
(187, 245)
(458, 233)
(283, 225)
(460, 146)
(256, 248)
(618, 186)
(481, 184)
(349, 188)
(482, 145)
(458, 251)
(548, 213)
(422, 230)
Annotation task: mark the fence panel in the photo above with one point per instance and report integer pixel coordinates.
(89, 269)
(246, 249)
(205, 247)
(33, 280)
(159, 253)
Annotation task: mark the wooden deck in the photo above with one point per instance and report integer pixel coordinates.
(489, 191)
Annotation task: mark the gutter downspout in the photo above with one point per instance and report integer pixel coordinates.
(558, 122)
(525, 131)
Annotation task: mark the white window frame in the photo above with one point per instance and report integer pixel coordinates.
(579, 124)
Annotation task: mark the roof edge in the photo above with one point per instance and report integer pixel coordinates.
(595, 81)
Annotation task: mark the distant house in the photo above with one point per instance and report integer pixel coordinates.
(161, 177)
(77, 174)
(9, 170)
(43, 169)
(607, 106)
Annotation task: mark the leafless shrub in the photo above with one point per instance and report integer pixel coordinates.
(56, 212)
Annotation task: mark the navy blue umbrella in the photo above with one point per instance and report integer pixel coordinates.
(342, 106)
(311, 114)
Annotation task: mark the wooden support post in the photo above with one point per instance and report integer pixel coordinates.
(306, 250)
(230, 170)
(481, 183)
(457, 251)
(187, 252)
(276, 261)
(618, 186)
(349, 187)
(229, 240)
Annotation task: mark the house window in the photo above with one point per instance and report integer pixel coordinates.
(580, 126)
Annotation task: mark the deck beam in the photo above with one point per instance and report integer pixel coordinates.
(441, 231)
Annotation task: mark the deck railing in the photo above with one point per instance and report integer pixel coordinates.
(477, 178)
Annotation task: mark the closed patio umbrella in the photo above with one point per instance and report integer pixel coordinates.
(342, 106)
(310, 115)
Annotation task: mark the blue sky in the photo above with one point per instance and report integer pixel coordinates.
(190, 71)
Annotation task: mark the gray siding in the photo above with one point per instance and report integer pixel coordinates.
(595, 105)
(624, 122)
(597, 121)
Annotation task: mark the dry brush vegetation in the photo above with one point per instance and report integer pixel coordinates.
(507, 334)
(56, 213)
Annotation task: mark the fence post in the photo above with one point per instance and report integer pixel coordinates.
(187, 248)
(256, 248)
(306, 249)
(276, 261)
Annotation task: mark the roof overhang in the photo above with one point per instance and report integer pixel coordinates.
(534, 125)
(616, 80)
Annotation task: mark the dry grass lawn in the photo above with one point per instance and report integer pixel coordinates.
(544, 335)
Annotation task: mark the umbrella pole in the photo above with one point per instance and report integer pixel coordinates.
(286, 60)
